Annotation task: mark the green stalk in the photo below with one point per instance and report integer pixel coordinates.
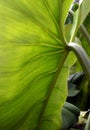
(82, 58)
(85, 33)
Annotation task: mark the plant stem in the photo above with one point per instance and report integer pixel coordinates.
(82, 58)
(83, 30)
(85, 33)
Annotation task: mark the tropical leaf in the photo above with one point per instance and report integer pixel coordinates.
(32, 72)
(70, 115)
(65, 9)
(84, 10)
(73, 84)
(78, 91)
(79, 17)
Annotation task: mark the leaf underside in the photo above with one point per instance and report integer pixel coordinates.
(32, 53)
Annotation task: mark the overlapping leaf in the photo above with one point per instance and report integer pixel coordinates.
(79, 17)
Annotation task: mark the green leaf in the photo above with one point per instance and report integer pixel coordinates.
(79, 17)
(70, 115)
(78, 91)
(73, 84)
(65, 9)
(32, 72)
(84, 9)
